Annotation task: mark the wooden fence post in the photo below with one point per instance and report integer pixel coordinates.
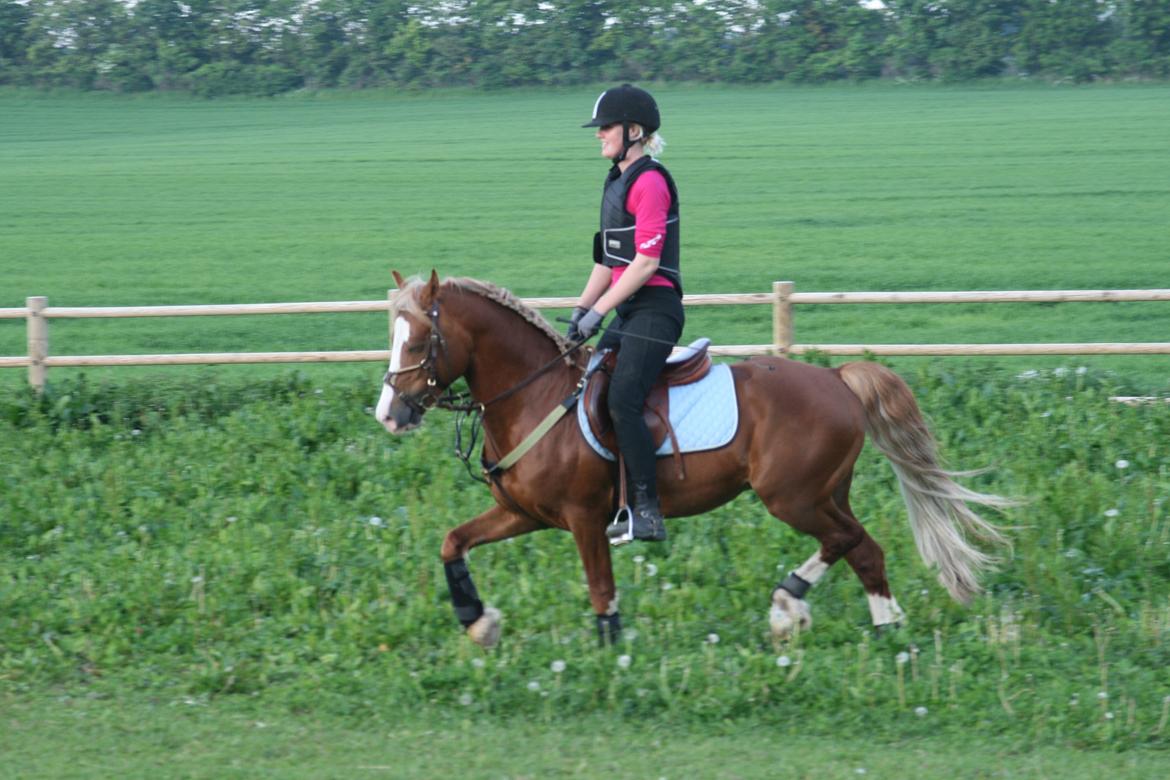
(38, 340)
(782, 318)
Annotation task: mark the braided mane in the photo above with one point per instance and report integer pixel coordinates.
(407, 301)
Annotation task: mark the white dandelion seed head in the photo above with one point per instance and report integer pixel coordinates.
(630, 634)
(1108, 716)
(1122, 464)
(1112, 512)
(783, 661)
(1102, 695)
(667, 586)
(639, 558)
(712, 639)
(534, 685)
(920, 711)
(902, 657)
(624, 661)
(557, 666)
(478, 663)
(651, 570)
(465, 699)
(1082, 370)
(377, 522)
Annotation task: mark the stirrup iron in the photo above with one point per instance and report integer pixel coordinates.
(618, 537)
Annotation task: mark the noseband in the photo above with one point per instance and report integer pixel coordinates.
(421, 402)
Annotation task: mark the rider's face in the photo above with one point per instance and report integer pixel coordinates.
(611, 140)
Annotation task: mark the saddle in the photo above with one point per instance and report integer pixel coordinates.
(684, 366)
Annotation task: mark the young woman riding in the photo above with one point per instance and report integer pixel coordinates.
(636, 253)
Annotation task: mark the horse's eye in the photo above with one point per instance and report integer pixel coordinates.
(416, 349)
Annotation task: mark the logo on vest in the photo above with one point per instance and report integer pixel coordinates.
(615, 244)
(651, 243)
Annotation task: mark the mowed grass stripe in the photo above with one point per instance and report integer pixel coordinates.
(111, 200)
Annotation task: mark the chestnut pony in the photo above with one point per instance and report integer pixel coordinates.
(801, 428)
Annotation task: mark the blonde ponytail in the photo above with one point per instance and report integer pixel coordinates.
(654, 145)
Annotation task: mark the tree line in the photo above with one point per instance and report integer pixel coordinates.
(265, 47)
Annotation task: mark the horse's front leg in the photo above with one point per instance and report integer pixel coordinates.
(482, 623)
(594, 548)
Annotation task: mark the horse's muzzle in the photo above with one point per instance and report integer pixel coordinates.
(401, 420)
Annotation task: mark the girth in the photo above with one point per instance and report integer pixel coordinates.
(692, 365)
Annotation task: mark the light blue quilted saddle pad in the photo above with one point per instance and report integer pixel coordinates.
(704, 415)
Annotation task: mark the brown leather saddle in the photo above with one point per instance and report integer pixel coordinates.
(691, 364)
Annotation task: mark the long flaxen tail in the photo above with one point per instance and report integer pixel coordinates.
(940, 519)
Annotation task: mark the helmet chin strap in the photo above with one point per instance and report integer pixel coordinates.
(626, 144)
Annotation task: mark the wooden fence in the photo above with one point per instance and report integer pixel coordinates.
(782, 299)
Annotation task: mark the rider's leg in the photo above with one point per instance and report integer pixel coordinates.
(639, 362)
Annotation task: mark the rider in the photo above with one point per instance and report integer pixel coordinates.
(637, 273)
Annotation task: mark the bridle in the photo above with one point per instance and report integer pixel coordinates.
(432, 396)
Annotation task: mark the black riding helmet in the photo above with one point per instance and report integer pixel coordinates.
(629, 105)
(626, 103)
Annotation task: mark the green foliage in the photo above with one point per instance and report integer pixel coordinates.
(269, 538)
(219, 47)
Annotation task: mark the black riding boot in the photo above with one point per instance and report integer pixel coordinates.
(646, 523)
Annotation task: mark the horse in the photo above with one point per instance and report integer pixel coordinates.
(801, 429)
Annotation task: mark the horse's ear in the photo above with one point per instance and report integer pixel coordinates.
(433, 284)
(398, 280)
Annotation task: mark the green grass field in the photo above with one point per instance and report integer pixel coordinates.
(161, 199)
(238, 739)
(187, 553)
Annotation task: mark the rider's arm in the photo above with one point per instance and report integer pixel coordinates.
(598, 282)
(630, 282)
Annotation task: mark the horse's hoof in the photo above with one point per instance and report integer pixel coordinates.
(788, 614)
(485, 631)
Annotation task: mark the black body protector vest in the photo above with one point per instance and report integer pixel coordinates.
(613, 245)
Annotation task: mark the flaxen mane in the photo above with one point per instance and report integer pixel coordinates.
(407, 301)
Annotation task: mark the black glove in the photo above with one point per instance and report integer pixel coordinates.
(572, 334)
(589, 324)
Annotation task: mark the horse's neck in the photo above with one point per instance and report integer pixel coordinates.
(508, 351)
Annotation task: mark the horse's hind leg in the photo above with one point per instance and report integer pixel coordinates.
(869, 564)
(841, 535)
(838, 533)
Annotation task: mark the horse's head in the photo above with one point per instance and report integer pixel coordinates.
(420, 356)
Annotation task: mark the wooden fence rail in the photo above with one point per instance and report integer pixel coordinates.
(782, 299)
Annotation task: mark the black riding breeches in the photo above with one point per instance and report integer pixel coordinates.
(656, 313)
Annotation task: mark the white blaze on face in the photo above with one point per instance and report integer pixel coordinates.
(401, 336)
